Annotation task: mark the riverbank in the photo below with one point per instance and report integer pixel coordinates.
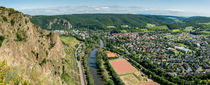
(93, 68)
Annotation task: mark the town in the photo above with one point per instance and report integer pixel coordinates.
(178, 54)
(168, 54)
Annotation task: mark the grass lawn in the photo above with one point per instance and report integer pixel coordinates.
(71, 41)
(133, 78)
(176, 30)
(167, 36)
(130, 79)
(188, 29)
(182, 45)
(208, 32)
(68, 79)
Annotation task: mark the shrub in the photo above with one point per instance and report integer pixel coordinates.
(78, 58)
(2, 7)
(26, 21)
(5, 18)
(11, 74)
(21, 36)
(65, 76)
(1, 40)
(51, 45)
(48, 35)
(15, 79)
(43, 62)
(10, 13)
(12, 22)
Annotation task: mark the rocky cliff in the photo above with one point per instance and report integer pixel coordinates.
(35, 53)
(59, 22)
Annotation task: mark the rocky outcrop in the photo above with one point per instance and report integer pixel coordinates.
(62, 22)
(31, 51)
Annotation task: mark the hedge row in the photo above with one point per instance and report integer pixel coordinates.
(100, 63)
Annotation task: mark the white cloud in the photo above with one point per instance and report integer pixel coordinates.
(175, 10)
(148, 9)
(100, 8)
(109, 9)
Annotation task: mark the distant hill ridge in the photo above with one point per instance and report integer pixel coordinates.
(103, 20)
(100, 20)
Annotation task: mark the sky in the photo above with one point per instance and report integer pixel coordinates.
(153, 7)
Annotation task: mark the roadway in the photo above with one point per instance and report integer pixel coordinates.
(79, 66)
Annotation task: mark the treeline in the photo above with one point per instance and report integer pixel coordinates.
(103, 69)
(108, 73)
(197, 20)
(89, 78)
(197, 27)
(90, 44)
(202, 79)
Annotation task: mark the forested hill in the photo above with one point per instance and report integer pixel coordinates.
(98, 20)
(197, 19)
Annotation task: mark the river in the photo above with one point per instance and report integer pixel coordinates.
(93, 67)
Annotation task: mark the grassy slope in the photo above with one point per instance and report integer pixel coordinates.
(73, 77)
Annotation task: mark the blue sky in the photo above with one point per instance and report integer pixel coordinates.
(157, 7)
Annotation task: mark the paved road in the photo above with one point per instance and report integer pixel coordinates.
(81, 74)
(80, 68)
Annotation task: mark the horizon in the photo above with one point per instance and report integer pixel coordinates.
(182, 8)
(119, 14)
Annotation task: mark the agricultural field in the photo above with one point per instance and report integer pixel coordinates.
(129, 74)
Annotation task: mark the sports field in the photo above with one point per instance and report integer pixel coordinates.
(129, 74)
(110, 54)
(122, 66)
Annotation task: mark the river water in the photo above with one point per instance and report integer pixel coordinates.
(93, 67)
